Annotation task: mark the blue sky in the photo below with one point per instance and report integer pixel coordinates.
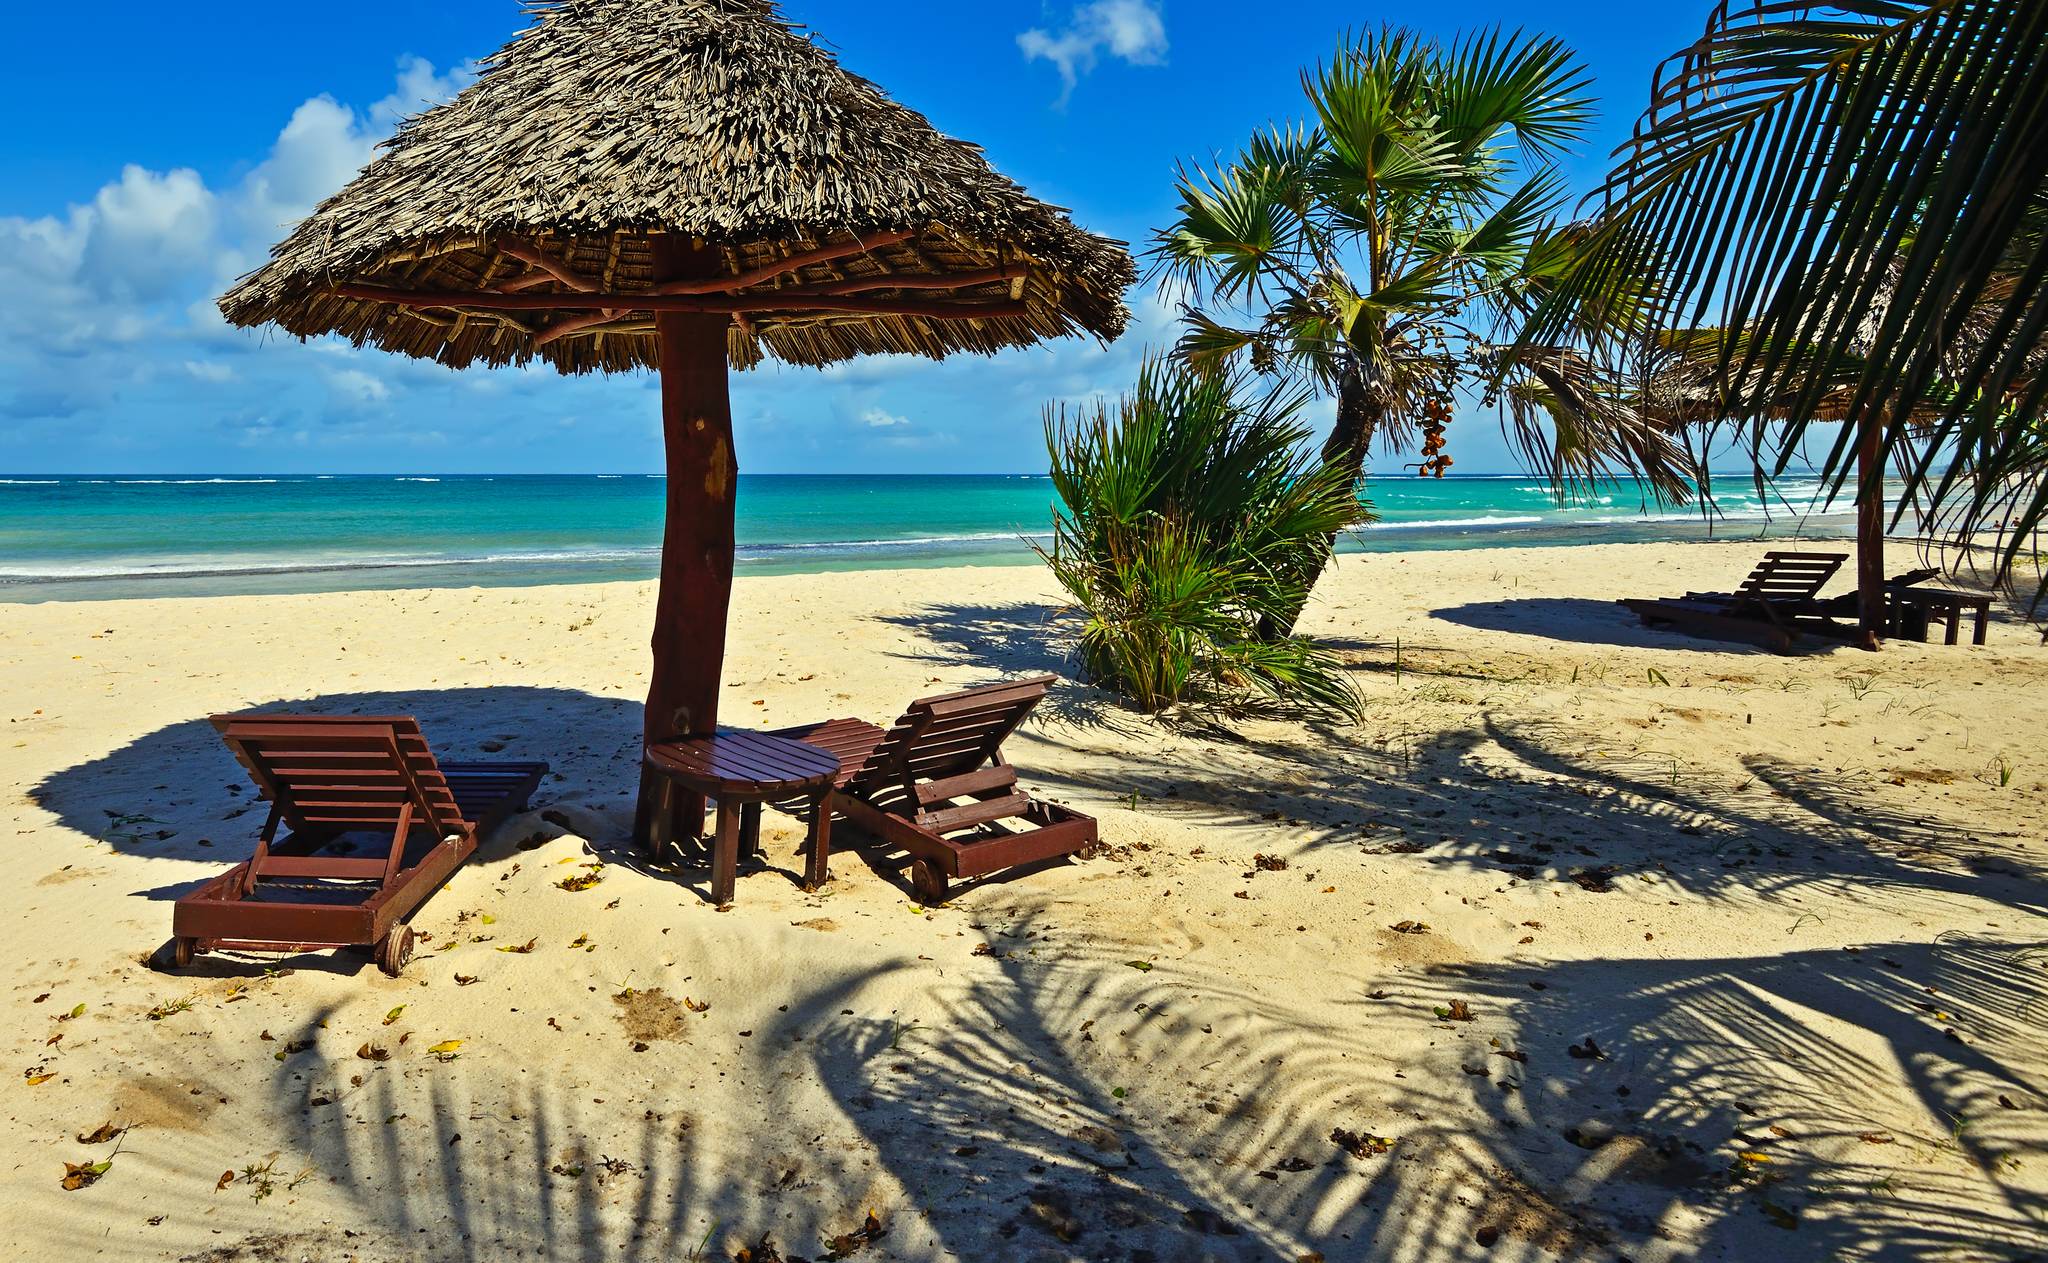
(137, 181)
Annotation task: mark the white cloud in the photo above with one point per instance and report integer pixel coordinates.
(112, 352)
(1132, 30)
(357, 386)
(419, 88)
(139, 264)
(326, 142)
(146, 232)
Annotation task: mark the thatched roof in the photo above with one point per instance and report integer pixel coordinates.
(609, 124)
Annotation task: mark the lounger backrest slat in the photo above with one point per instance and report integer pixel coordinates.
(952, 734)
(344, 771)
(1792, 576)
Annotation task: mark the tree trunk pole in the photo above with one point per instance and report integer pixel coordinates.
(697, 534)
(1358, 419)
(1870, 532)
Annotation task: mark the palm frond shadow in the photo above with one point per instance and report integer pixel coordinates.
(1141, 1110)
(1067, 1096)
(1704, 1060)
(1539, 800)
(1016, 639)
(487, 1163)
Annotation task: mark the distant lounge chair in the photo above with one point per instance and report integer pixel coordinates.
(936, 784)
(331, 779)
(1779, 600)
(1784, 587)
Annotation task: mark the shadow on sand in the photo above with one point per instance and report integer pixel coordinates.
(1577, 620)
(177, 793)
(1058, 1105)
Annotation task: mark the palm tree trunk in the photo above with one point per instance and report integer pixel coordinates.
(1359, 414)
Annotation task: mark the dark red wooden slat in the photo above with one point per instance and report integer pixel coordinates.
(316, 797)
(951, 787)
(1035, 686)
(744, 762)
(316, 866)
(948, 819)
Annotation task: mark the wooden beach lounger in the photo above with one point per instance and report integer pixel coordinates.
(336, 781)
(1766, 610)
(1780, 599)
(936, 784)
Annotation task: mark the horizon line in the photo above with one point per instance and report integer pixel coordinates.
(160, 475)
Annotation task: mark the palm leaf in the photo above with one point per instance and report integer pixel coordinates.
(1857, 188)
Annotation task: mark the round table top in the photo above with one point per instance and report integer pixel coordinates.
(738, 761)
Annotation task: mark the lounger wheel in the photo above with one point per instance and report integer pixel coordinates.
(928, 883)
(394, 950)
(183, 949)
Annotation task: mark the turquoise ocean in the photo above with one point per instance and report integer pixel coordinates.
(105, 536)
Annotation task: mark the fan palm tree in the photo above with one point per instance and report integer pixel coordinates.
(1386, 250)
(1849, 204)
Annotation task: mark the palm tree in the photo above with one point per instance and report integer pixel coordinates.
(1849, 204)
(1191, 519)
(1387, 250)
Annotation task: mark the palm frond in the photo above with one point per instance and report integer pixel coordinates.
(1192, 521)
(1537, 88)
(1859, 187)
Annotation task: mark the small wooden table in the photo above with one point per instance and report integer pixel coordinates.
(741, 770)
(1916, 609)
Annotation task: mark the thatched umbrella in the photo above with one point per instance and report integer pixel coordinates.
(683, 185)
(1683, 384)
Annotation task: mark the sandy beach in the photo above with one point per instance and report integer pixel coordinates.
(1589, 942)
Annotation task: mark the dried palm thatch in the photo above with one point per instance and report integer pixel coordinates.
(494, 227)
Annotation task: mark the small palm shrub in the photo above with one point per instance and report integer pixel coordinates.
(1194, 522)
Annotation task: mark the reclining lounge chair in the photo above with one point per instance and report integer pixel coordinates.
(936, 785)
(1765, 610)
(1780, 599)
(334, 782)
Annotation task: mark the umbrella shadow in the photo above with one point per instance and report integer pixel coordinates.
(1579, 620)
(177, 792)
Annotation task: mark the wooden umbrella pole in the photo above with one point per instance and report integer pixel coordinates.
(1870, 531)
(697, 536)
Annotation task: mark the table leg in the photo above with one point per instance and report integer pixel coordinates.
(1955, 624)
(750, 830)
(1983, 617)
(725, 853)
(816, 870)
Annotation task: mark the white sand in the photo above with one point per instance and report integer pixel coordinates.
(1816, 877)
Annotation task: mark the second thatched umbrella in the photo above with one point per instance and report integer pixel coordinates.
(683, 185)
